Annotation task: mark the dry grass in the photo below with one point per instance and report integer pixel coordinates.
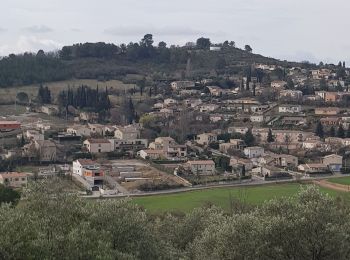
(9, 94)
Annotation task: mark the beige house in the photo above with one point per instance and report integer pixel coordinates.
(206, 138)
(291, 94)
(208, 108)
(151, 154)
(98, 145)
(334, 162)
(34, 135)
(281, 136)
(79, 130)
(247, 163)
(97, 129)
(169, 147)
(205, 167)
(236, 144)
(47, 150)
(285, 160)
(215, 91)
(14, 179)
(177, 85)
(50, 109)
(126, 133)
(278, 84)
(327, 111)
(313, 168)
(88, 116)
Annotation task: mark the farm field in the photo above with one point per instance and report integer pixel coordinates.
(221, 197)
(343, 180)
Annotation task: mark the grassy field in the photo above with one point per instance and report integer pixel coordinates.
(221, 197)
(343, 180)
(11, 110)
(9, 94)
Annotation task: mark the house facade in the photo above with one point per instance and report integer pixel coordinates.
(205, 167)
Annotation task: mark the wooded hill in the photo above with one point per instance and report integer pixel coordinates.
(106, 61)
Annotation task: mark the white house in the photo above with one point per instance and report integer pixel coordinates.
(90, 171)
(80, 164)
(289, 109)
(254, 152)
(170, 101)
(257, 118)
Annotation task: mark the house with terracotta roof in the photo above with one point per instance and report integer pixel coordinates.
(6, 126)
(14, 179)
(327, 111)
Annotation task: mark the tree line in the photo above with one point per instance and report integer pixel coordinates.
(30, 68)
(79, 60)
(84, 97)
(54, 225)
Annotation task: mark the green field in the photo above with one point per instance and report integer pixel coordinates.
(343, 180)
(220, 197)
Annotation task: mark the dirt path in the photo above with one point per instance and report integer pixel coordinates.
(333, 186)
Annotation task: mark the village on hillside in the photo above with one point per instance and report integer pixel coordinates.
(269, 123)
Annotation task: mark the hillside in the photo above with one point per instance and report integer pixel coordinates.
(103, 61)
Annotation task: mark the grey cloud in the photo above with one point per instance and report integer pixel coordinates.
(2, 30)
(38, 29)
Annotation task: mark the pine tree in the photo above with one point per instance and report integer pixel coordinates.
(319, 130)
(341, 132)
(270, 138)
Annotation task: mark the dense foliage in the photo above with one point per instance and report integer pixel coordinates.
(110, 61)
(9, 195)
(53, 225)
(31, 68)
(85, 97)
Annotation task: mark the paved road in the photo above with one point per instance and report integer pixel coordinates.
(243, 183)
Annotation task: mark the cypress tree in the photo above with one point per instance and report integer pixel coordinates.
(270, 138)
(341, 132)
(332, 131)
(319, 130)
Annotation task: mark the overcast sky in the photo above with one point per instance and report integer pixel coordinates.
(287, 29)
